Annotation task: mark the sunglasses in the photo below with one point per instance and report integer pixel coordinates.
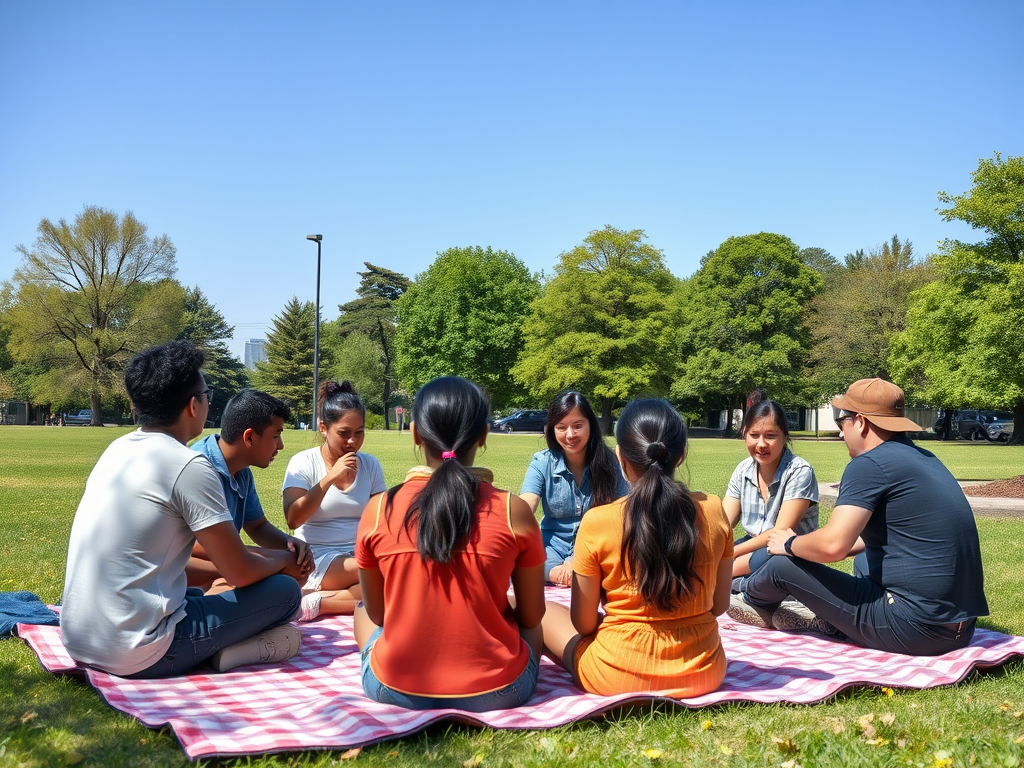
(209, 395)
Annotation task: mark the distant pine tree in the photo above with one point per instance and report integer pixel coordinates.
(287, 372)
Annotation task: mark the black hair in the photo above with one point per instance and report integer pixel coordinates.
(760, 407)
(450, 414)
(162, 379)
(659, 535)
(334, 400)
(604, 469)
(251, 409)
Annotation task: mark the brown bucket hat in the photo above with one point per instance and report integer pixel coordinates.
(880, 402)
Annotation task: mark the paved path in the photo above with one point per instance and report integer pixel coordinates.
(982, 505)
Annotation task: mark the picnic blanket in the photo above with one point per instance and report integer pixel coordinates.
(315, 700)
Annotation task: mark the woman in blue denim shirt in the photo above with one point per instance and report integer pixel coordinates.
(577, 471)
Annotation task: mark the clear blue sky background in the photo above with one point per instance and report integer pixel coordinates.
(400, 129)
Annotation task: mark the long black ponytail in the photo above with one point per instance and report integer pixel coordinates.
(660, 536)
(450, 416)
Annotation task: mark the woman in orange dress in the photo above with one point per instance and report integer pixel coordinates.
(659, 561)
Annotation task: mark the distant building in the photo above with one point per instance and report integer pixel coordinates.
(254, 353)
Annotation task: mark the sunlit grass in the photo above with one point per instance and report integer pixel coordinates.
(47, 721)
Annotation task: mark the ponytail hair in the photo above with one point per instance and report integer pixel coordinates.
(760, 407)
(605, 476)
(659, 537)
(450, 414)
(334, 400)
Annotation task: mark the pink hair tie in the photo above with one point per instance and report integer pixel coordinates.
(448, 455)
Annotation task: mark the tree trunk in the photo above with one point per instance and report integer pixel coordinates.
(97, 409)
(1017, 438)
(606, 416)
(387, 396)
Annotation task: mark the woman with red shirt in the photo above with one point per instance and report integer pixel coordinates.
(436, 555)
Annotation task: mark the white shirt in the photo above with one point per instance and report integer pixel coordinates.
(335, 523)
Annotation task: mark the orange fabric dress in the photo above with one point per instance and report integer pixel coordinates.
(639, 647)
(448, 627)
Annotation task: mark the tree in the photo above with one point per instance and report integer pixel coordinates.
(963, 344)
(89, 296)
(287, 373)
(822, 262)
(604, 323)
(463, 317)
(854, 321)
(374, 315)
(743, 322)
(360, 360)
(205, 326)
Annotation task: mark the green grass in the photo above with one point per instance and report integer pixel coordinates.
(47, 721)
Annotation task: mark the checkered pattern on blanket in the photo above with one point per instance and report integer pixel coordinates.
(316, 701)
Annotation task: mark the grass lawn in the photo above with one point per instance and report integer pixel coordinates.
(50, 721)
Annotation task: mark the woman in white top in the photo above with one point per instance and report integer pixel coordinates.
(325, 490)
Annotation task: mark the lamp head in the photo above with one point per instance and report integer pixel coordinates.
(317, 238)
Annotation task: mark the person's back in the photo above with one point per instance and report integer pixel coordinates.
(922, 540)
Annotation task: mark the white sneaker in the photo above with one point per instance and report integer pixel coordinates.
(309, 608)
(268, 647)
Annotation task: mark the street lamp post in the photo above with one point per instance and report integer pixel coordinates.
(316, 331)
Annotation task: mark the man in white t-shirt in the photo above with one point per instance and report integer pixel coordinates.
(127, 609)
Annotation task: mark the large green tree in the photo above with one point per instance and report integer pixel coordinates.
(89, 295)
(963, 345)
(374, 315)
(359, 359)
(743, 323)
(205, 326)
(463, 317)
(604, 323)
(287, 372)
(862, 309)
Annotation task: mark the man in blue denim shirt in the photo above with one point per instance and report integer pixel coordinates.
(250, 436)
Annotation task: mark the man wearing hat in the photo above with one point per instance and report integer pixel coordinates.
(918, 582)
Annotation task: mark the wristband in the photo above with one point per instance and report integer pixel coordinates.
(788, 546)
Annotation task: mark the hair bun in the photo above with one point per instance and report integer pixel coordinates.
(657, 452)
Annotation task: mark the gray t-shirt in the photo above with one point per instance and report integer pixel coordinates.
(124, 590)
(794, 479)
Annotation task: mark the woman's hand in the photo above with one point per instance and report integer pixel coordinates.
(561, 575)
(345, 467)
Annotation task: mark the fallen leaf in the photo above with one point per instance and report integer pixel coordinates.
(867, 729)
(786, 746)
(73, 758)
(393, 753)
(791, 764)
(901, 743)
(1019, 740)
(1018, 715)
(877, 742)
(888, 718)
(836, 724)
(28, 716)
(726, 749)
(474, 761)
(547, 744)
(352, 754)
(654, 754)
(1006, 706)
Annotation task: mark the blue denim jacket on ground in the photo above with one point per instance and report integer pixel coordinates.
(562, 501)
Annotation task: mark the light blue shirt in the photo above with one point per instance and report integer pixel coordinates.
(794, 479)
(239, 489)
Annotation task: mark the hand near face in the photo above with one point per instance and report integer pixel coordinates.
(344, 469)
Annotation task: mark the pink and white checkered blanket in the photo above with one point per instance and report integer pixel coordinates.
(316, 701)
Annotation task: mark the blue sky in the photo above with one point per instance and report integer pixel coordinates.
(400, 129)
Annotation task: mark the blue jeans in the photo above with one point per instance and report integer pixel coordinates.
(512, 695)
(757, 559)
(558, 547)
(213, 622)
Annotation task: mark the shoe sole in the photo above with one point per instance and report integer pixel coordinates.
(745, 613)
(796, 617)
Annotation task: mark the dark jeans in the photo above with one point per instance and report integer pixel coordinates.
(757, 559)
(213, 622)
(855, 605)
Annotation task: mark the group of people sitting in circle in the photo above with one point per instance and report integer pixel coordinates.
(445, 573)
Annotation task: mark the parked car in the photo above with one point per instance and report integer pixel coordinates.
(984, 425)
(521, 421)
(81, 419)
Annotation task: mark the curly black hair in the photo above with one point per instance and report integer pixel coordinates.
(161, 380)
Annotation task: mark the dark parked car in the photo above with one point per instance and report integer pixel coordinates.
(985, 425)
(521, 421)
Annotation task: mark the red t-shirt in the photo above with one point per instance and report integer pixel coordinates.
(448, 628)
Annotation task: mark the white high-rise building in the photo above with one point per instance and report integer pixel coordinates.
(254, 353)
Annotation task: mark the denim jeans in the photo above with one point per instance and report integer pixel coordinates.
(512, 695)
(213, 622)
(860, 608)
